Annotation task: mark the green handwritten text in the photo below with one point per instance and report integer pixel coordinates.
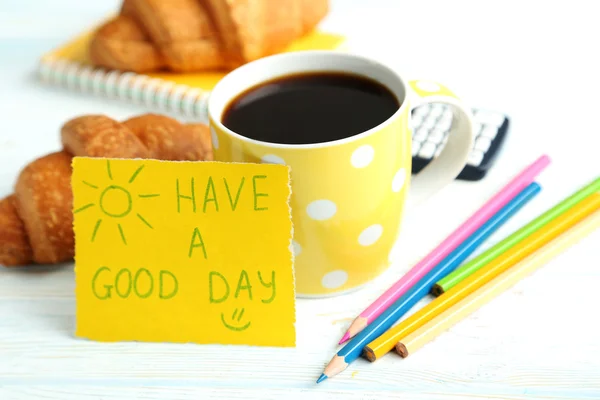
(209, 192)
(139, 284)
(220, 287)
(197, 241)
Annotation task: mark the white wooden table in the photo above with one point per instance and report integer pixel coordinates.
(537, 63)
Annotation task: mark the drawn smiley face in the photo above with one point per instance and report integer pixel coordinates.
(236, 322)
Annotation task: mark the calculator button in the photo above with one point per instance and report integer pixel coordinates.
(491, 118)
(489, 132)
(416, 121)
(444, 124)
(447, 115)
(482, 143)
(415, 148)
(421, 134)
(476, 128)
(436, 135)
(429, 122)
(427, 150)
(422, 110)
(475, 158)
(437, 110)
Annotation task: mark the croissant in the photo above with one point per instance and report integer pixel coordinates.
(122, 44)
(196, 35)
(36, 222)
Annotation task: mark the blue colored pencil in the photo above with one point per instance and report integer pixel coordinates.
(353, 349)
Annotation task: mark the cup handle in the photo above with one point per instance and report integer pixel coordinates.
(444, 168)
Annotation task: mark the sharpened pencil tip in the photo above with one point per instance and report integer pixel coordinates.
(344, 338)
(321, 378)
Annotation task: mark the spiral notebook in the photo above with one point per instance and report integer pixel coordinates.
(69, 67)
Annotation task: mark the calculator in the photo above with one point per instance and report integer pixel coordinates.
(431, 124)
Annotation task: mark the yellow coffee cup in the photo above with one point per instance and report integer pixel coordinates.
(348, 195)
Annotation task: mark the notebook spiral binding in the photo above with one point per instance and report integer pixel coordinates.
(153, 93)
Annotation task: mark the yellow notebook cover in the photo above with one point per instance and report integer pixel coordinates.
(69, 67)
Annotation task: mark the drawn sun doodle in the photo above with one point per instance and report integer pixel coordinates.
(115, 202)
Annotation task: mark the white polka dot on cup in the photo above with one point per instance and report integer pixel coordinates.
(398, 180)
(362, 156)
(214, 138)
(428, 86)
(321, 210)
(272, 159)
(370, 235)
(334, 279)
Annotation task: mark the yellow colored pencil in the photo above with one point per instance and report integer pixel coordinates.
(441, 323)
(387, 342)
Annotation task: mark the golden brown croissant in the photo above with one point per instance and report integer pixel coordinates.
(173, 20)
(168, 139)
(251, 29)
(36, 222)
(182, 31)
(14, 242)
(44, 203)
(100, 136)
(196, 35)
(121, 44)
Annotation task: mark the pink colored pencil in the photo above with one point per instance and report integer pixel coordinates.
(508, 192)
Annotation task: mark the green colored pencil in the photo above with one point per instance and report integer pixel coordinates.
(484, 258)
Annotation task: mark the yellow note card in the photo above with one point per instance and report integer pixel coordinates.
(194, 252)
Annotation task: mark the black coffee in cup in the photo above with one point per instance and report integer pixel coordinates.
(310, 108)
